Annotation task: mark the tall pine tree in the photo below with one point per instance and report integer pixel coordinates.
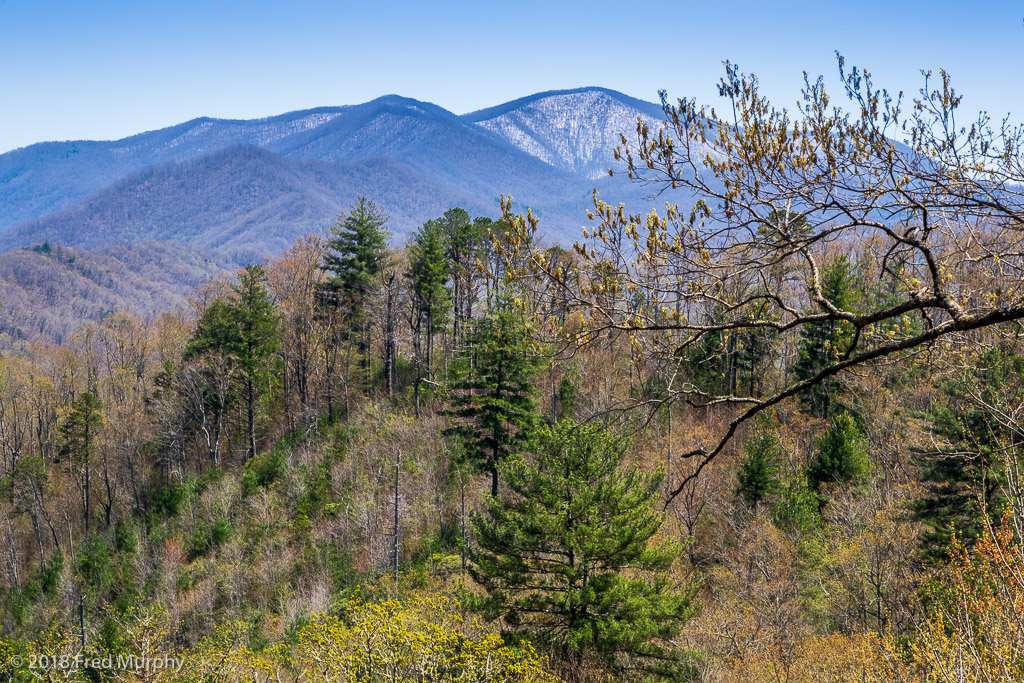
(463, 241)
(356, 255)
(257, 339)
(244, 330)
(431, 300)
(493, 402)
(823, 343)
(77, 432)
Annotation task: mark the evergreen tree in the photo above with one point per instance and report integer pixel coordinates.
(842, 454)
(963, 475)
(493, 401)
(711, 361)
(463, 240)
(77, 433)
(755, 352)
(356, 255)
(244, 331)
(760, 468)
(257, 339)
(428, 275)
(208, 353)
(564, 557)
(823, 343)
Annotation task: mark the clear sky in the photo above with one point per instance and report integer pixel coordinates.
(103, 69)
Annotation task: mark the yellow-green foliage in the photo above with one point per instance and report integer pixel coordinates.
(423, 639)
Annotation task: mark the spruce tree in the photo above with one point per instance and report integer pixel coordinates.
(428, 275)
(463, 240)
(356, 255)
(823, 343)
(493, 402)
(759, 475)
(962, 476)
(244, 331)
(568, 556)
(208, 352)
(842, 454)
(257, 339)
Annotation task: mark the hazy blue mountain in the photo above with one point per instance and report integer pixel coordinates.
(48, 176)
(574, 130)
(242, 202)
(247, 188)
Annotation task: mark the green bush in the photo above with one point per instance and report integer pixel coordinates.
(205, 537)
(264, 469)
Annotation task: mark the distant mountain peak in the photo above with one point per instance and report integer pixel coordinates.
(575, 130)
(649, 108)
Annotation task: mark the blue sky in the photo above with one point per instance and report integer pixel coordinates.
(97, 69)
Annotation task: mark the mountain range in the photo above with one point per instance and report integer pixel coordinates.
(246, 189)
(230, 192)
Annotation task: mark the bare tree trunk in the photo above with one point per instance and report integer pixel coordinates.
(554, 394)
(668, 462)
(462, 496)
(12, 555)
(398, 462)
(39, 537)
(109, 504)
(329, 359)
(85, 494)
(81, 615)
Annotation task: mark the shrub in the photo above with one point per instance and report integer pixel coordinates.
(264, 469)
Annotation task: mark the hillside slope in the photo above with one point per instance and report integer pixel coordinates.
(48, 292)
(243, 203)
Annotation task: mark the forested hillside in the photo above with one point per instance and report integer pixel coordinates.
(242, 203)
(771, 437)
(48, 292)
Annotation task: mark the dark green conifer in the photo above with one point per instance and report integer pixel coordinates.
(357, 253)
(962, 476)
(428, 274)
(493, 402)
(823, 343)
(759, 475)
(244, 331)
(77, 432)
(842, 454)
(568, 556)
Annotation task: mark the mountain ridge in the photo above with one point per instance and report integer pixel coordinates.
(650, 108)
(131, 223)
(49, 176)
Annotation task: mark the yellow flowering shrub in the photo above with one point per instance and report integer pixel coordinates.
(422, 639)
(425, 639)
